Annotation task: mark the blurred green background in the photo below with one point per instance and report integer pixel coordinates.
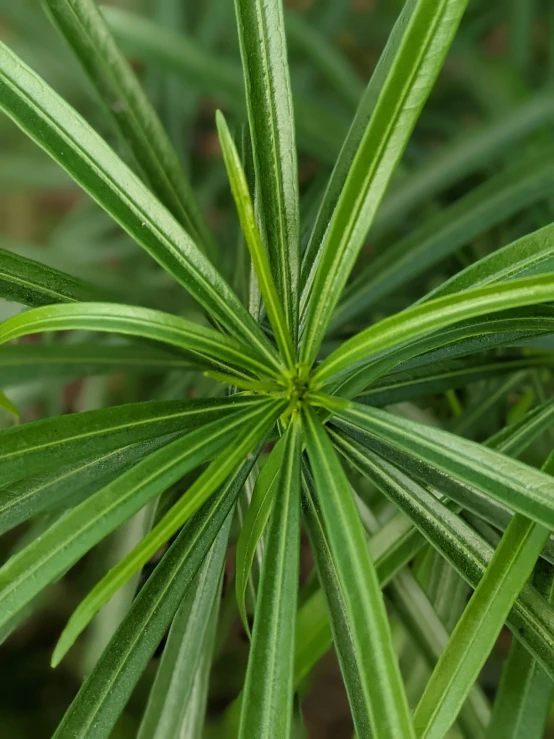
(498, 82)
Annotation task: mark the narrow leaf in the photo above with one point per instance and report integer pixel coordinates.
(268, 690)
(382, 697)
(211, 345)
(427, 37)
(271, 118)
(253, 239)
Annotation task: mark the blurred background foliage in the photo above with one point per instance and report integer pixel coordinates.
(478, 174)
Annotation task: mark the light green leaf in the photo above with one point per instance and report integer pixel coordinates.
(381, 699)
(271, 118)
(22, 363)
(254, 523)
(409, 325)
(45, 559)
(440, 236)
(172, 690)
(255, 425)
(268, 691)
(106, 690)
(67, 138)
(479, 626)
(83, 27)
(207, 343)
(427, 37)
(533, 254)
(41, 446)
(28, 282)
(253, 239)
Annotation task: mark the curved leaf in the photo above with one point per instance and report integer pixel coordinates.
(211, 345)
(268, 690)
(67, 138)
(83, 27)
(413, 323)
(428, 35)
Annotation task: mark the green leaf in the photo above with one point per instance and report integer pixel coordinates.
(427, 37)
(440, 376)
(83, 27)
(531, 619)
(524, 695)
(533, 254)
(8, 406)
(268, 690)
(34, 448)
(45, 559)
(319, 129)
(473, 151)
(106, 690)
(382, 698)
(22, 363)
(207, 343)
(416, 322)
(28, 282)
(479, 626)
(440, 236)
(521, 488)
(68, 486)
(172, 690)
(253, 239)
(468, 337)
(254, 425)
(254, 523)
(67, 138)
(271, 118)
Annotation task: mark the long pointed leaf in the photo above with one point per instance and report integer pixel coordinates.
(271, 117)
(428, 35)
(382, 693)
(220, 350)
(268, 690)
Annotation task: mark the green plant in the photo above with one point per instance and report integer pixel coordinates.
(274, 378)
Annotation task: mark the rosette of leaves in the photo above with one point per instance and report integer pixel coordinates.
(485, 515)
